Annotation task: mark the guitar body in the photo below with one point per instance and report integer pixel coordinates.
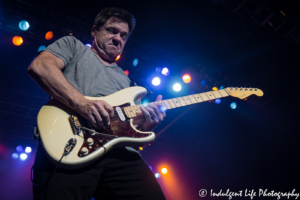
(56, 128)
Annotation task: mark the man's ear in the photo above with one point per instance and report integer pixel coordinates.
(94, 29)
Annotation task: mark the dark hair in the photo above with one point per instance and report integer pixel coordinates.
(119, 13)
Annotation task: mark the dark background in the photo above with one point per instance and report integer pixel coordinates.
(205, 146)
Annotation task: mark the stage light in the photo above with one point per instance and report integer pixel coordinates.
(150, 167)
(157, 175)
(164, 170)
(28, 150)
(156, 81)
(233, 105)
(177, 87)
(165, 71)
(41, 48)
(118, 57)
(17, 40)
(162, 108)
(24, 25)
(186, 78)
(49, 35)
(214, 88)
(145, 103)
(15, 155)
(23, 156)
(203, 82)
(88, 45)
(126, 72)
(135, 62)
(222, 87)
(141, 148)
(217, 101)
(19, 148)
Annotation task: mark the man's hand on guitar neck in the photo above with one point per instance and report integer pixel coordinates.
(153, 115)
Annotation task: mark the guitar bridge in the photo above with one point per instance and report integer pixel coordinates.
(75, 124)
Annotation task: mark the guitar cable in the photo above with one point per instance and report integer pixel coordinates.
(68, 148)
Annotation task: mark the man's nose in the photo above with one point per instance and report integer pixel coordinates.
(116, 39)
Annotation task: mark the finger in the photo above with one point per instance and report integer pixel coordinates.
(159, 98)
(108, 108)
(97, 117)
(153, 115)
(145, 113)
(91, 118)
(104, 114)
(157, 112)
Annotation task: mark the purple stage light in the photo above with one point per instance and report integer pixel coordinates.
(23, 156)
(15, 155)
(165, 71)
(28, 150)
(19, 148)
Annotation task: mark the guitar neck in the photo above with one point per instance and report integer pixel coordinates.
(134, 111)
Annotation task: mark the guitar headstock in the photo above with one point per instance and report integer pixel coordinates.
(243, 92)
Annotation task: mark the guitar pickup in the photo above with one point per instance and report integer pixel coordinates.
(75, 124)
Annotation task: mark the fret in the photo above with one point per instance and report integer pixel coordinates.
(217, 94)
(181, 101)
(210, 95)
(176, 102)
(223, 93)
(131, 111)
(198, 97)
(204, 97)
(187, 100)
(192, 98)
(137, 110)
(171, 103)
(167, 104)
(127, 112)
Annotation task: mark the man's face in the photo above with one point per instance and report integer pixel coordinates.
(110, 39)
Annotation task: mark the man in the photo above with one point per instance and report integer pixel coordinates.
(68, 71)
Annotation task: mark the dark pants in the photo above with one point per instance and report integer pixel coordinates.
(120, 174)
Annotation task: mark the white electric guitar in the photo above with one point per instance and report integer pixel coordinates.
(63, 130)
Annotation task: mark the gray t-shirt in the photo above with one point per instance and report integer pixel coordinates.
(85, 71)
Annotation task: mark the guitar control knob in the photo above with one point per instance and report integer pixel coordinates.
(84, 151)
(90, 141)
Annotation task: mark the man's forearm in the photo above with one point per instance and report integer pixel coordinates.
(51, 79)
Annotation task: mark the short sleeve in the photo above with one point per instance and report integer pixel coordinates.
(64, 48)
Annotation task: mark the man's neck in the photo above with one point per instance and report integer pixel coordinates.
(103, 61)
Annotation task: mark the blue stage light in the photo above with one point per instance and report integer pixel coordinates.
(165, 71)
(15, 155)
(88, 45)
(217, 101)
(19, 148)
(177, 87)
(24, 25)
(162, 108)
(135, 62)
(150, 167)
(28, 150)
(233, 105)
(23, 156)
(156, 81)
(222, 87)
(41, 48)
(157, 175)
(203, 82)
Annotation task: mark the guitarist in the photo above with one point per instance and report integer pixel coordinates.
(67, 70)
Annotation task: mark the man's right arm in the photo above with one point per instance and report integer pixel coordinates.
(46, 70)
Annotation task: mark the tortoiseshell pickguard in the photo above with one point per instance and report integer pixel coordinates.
(116, 128)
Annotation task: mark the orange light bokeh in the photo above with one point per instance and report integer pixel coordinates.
(164, 170)
(49, 35)
(126, 72)
(17, 40)
(118, 57)
(214, 88)
(186, 78)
